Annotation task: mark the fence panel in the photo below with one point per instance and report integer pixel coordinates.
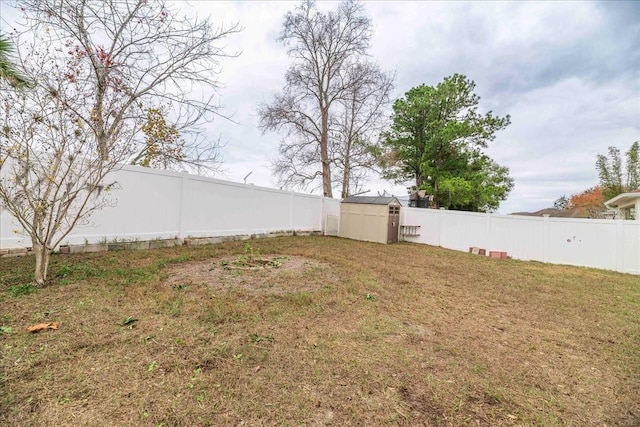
(146, 206)
(607, 244)
(330, 216)
(522, 237)
(160, 204)
(628, 247)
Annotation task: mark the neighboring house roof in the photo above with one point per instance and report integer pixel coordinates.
(404, 200)
(624, 200)
(579, 212)
(371, 200)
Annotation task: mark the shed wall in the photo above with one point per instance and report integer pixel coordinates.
(364, 222)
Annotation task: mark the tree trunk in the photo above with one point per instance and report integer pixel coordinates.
(345, 183)
(324, 155)
(436, 201)
(42, 254)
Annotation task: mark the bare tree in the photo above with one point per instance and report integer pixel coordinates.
(324, 48)
(356, 131)
(132, 55)
(52, 176)
(95, 69)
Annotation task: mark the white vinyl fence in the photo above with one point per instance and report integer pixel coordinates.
(606, 244)
(154, 204)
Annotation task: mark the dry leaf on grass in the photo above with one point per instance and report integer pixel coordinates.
(42, 326)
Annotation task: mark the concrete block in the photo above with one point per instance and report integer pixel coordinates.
(95, 247)
(498, 254)
(155, 244)
(4, 252)
(74, 249)
(477, 251)
(116, 246)
(167, 243)
(137, 246)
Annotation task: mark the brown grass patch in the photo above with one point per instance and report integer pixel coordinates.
(341, 333)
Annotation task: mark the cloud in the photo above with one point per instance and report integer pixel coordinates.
(566, 72)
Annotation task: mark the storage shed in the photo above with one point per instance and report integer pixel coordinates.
(370, 218)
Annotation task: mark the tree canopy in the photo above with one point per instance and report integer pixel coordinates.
(436, 140)
(618, 176)
(131, 56)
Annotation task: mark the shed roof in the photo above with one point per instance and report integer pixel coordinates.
(371, 200)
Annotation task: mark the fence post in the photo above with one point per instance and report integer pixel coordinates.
(619, 251)
(323, 218)
(488, 243)
(252, 212)
(291, 198)
(547, 238)
(182, 208)
(441, 225)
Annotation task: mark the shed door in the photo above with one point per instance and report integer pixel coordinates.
(394, 224)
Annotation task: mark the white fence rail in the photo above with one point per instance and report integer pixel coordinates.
(607, 244)
(159, 204)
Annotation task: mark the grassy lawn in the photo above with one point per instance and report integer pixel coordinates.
(329, 332)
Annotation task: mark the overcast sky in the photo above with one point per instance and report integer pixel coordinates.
(568, 73)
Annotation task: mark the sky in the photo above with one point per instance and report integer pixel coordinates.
(568, 74)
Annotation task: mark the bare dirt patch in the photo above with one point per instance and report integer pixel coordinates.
(276, 274)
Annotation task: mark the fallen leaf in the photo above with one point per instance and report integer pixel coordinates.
(42, 326)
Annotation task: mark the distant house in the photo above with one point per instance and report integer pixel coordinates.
(420, 199)
(626, 204)
(579, 212)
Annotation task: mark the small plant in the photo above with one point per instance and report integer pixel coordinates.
(250, 258)
(152, 366)
(257, 338)
(252, 255)
(370, 297)
(6, 329)
(277, 262)
(20, 290)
